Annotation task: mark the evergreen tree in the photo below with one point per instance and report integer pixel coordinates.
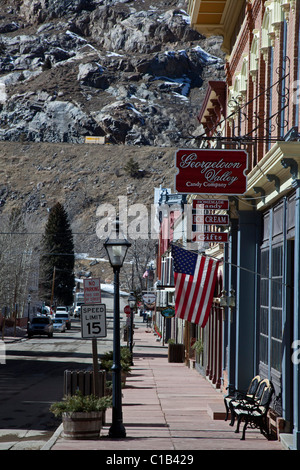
(57, 258)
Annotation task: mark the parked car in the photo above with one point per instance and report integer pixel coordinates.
(41, 325)
(64, 316)
(59, 325)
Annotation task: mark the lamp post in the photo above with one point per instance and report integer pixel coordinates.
(116, 248)
(131, 302)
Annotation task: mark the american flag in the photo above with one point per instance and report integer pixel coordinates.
(195, 278)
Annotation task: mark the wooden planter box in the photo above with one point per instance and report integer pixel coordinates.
(176, 352)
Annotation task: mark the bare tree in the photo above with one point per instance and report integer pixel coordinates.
(140, 256)
(17, 259)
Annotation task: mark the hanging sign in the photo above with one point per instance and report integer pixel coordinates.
(168, 312)
(211, 219)
(211, 204)
(213, 237)
(149, 298)
(211, 171)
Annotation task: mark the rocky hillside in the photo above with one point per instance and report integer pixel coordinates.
(120, 69)
(132, 71)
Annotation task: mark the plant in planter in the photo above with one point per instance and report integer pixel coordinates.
(197, 346)
(81, 415)
(107, 362)
(171, 341)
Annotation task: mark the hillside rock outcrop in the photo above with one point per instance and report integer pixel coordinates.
(119, 69)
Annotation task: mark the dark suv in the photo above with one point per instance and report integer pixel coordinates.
(40, 326)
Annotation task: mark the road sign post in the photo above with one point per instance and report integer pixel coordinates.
(93, 326)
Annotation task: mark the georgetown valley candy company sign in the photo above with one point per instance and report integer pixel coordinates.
(211, 171)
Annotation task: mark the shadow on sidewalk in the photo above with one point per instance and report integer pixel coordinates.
(148, 355)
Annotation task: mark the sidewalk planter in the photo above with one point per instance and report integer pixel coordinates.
(175, 352)
(82, 425)
(81, 415)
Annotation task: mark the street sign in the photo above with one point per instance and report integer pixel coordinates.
(127, 310)
(211, 204)
(92, 291)
(211, 219)
(93, 321)
(213, 237)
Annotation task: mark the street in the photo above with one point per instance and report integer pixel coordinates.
(32, 379)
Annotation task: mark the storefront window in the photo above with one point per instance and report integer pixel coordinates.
(276, 312)
(264, 308)
(271, 312)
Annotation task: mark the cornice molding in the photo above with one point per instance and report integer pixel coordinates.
(275, 174)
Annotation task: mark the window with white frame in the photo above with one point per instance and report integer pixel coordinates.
(271, 300)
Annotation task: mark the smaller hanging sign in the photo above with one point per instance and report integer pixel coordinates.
(212, 237)
(211, 204)
(211, 219)
(168, 312)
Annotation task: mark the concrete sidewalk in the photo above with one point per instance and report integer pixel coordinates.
(167, 406)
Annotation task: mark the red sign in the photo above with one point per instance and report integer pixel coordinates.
(214, 237)
(92, 291)
(127, 310)
(211, 204)
(211, 171)
(211, 219)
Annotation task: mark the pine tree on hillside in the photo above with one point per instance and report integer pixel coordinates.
(57, 258)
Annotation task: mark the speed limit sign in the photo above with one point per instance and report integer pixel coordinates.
(93, 321)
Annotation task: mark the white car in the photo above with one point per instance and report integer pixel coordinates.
(59, 325)
(63, 316)
(61, 310)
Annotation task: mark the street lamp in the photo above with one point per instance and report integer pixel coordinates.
(116, 248)
(131, 302)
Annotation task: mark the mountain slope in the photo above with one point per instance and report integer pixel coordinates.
(119, 69)
(34, 176)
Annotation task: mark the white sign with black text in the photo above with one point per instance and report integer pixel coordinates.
(93, 321)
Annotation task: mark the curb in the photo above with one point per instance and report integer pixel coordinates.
(53, 438)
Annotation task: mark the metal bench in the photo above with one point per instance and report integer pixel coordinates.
(252, 400)
(236, 395)
(255, 414)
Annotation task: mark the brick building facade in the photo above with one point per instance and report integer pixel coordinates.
(262, 258)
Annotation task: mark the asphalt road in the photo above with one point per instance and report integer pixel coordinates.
(32, 378)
